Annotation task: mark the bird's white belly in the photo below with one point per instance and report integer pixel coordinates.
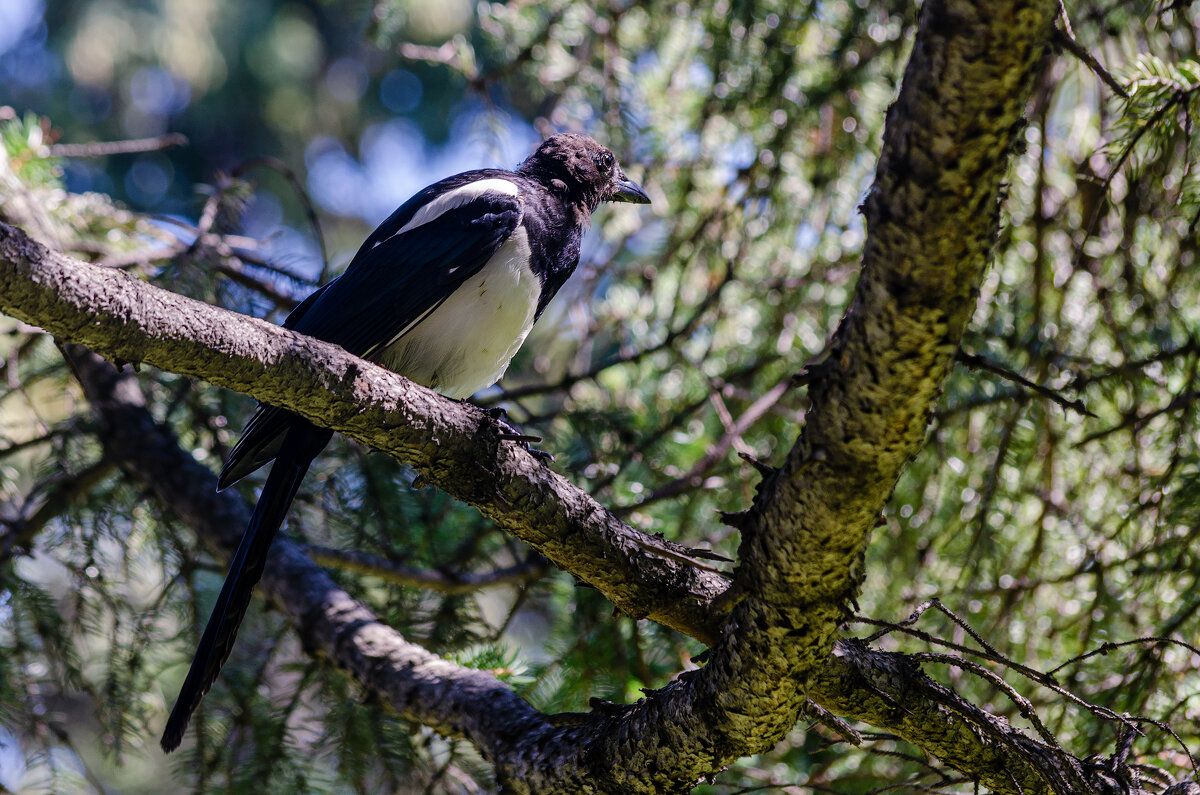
(466, 343)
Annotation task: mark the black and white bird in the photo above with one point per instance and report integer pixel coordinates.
(443, 292)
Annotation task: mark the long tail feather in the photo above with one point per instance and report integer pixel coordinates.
(301, 445)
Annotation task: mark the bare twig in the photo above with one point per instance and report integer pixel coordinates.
(1135, 420)
(106, 148)
(731, 437)
(310, 212)
(1107, 646)
(1023, 704)
(1065, 38)
(977, 362)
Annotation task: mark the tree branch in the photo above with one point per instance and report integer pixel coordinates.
(429, 579)
(889, 690)
(454, 446)
(932, 216)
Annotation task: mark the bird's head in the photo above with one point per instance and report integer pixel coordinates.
(586, 172)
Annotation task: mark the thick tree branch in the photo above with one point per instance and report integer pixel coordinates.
(932, 217)
(890, 691)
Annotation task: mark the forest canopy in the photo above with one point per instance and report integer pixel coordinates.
(877, 465)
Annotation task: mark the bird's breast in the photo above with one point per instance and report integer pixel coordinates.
(466, 343)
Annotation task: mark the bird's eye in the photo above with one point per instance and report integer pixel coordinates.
(604, 161)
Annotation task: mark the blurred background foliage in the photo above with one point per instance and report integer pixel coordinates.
(755, 127)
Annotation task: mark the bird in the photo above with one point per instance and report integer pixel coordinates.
(444, 292)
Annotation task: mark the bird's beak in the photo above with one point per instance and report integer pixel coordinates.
(626, 190)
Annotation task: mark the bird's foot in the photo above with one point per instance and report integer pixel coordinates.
(511, 433)
(527, 443)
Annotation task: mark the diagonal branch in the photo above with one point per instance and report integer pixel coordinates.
(932, 217)
(454, 446)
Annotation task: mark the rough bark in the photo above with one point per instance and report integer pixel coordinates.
(888, 690)
(931, 217)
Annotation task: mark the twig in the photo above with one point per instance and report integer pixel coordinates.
(1023, 704)
(833, 722)
(1146, 126)
(1045, 680)
(977, 362)
(1139, 420)
(1108, 646)
(1065, 38)
(106, 148)
(731, 438)
(989, 652)
(310, 212)
(61, 495)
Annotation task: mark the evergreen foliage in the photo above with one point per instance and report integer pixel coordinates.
(1055, 509)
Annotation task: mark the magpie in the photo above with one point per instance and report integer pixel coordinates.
(443, 292)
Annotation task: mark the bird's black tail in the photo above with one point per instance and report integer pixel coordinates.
(301, 445)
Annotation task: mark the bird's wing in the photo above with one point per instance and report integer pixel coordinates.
(411, 264)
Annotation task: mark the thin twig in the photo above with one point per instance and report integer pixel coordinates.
(310, 212)
(1023, 704)
(1138, 421)
(1108, 646)
(1146, 126)
(1045, 680)
(1064, 38)
(106, 148)
(977, 362)
(694, 477)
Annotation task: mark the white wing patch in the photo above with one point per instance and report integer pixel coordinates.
(457, 198)
(465, 343)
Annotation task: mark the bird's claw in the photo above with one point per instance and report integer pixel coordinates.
(526, 442)
(540, 454)
(511, 433)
